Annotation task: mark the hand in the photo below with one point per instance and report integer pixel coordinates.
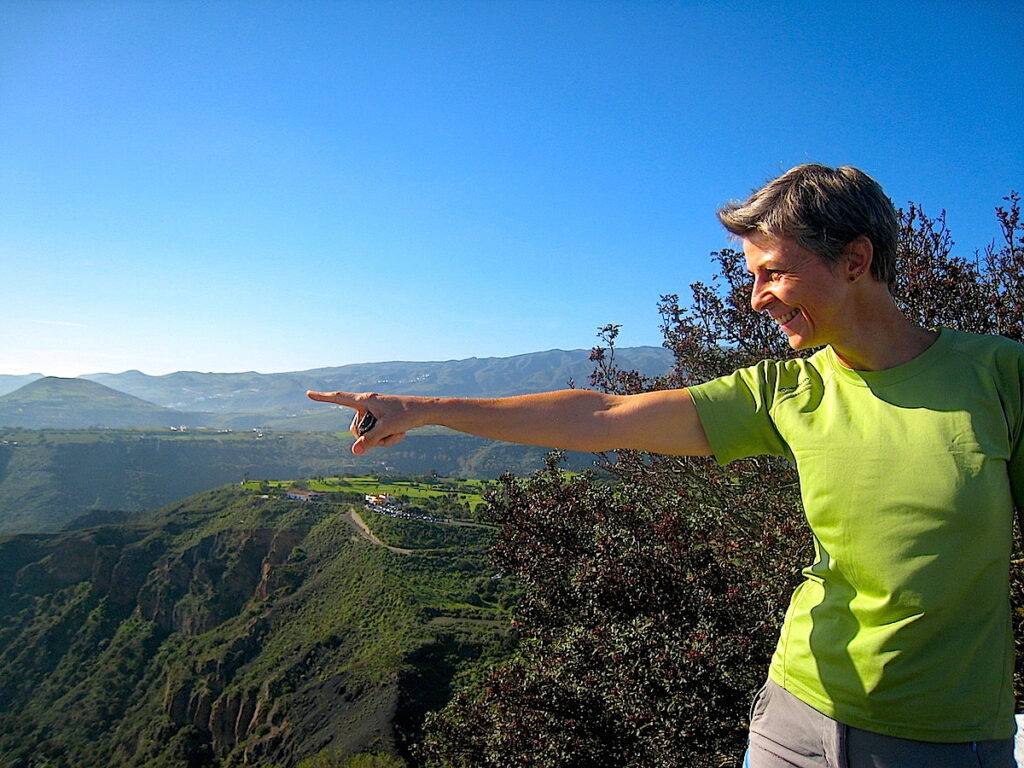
(390, 427)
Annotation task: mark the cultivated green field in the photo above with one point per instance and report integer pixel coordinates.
(418, 490)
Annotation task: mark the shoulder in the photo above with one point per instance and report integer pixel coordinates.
(771, 378)
(790, 367)
(964, 340)
(997, 354)
(995, 364)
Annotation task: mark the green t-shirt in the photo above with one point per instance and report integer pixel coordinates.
(908, 477)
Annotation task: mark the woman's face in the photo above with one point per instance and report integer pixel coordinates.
(802, 294)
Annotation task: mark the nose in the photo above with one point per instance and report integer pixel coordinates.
(759, 298)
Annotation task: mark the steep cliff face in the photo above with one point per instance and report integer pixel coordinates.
(208, 583)
(229, 630)
(108, 559)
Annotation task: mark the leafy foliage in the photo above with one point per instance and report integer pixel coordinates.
(650, 609)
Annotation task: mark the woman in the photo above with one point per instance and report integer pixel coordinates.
(897, 647)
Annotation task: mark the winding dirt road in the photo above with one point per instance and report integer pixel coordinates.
(366, 533)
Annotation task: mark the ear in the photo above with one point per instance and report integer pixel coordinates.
(859, 254)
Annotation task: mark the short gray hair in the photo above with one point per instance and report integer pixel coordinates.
(822, 209)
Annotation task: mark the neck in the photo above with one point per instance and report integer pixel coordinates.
(881, 336)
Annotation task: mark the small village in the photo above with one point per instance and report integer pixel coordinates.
(381, 503)
(386, 504)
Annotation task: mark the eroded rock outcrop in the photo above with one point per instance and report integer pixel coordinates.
(195, 590)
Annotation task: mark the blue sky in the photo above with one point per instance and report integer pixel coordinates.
(227, 186)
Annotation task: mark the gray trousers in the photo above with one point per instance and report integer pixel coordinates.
(787, 733)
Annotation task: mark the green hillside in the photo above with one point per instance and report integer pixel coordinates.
(236, 628)
(50, 477)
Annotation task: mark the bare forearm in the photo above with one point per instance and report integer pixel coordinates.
(570, 419)
(578, 420)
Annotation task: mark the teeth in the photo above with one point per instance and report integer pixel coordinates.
(786, 318)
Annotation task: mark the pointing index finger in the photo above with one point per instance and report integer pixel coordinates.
(341, 398)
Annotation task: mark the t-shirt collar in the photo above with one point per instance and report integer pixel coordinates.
(907, 370)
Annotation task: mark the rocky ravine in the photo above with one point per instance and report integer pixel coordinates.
(229, 630)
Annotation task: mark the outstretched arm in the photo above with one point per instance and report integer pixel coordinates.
(574, 419)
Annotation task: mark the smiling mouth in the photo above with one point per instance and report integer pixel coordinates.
(783, 319)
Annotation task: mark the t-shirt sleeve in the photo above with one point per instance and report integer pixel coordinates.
(1006, 365)
(1017, 472)
(1016, 464)
(734, 411)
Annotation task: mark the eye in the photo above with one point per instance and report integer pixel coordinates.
(775, 275)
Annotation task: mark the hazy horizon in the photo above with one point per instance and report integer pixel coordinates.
(302, 370)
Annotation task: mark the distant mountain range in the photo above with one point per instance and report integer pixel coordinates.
(10, 383)
(244, 400)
